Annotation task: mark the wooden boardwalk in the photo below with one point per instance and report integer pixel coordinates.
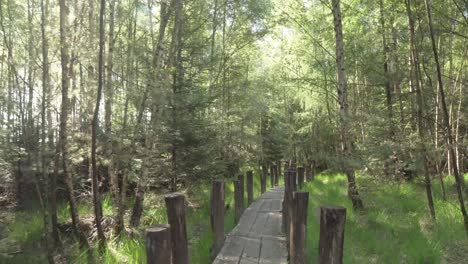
(257, 238)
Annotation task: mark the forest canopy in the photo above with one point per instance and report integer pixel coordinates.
(108, 102)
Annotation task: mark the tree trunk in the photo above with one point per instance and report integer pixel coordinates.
(175, 60)
(448, 127)
(420, 112)
(65, 61)
(109, 97)
(388, 86)
(137, 209)
(346, 140)
(94, 177)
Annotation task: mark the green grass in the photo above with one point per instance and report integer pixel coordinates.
(25, 228)
(395, 226)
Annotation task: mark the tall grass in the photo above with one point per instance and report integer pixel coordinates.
(395, 226)
(132, 250)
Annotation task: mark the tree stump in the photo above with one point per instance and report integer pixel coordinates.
(298, 234)
(158, 244)
(332, 224)
(175, 205)
(217, 216)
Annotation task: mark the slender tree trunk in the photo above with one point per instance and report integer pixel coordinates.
(420, 111)
(137, 209)
(346, 140)
(448, 127)
(212, 45)
(45, 131)
(175, 60)
(65, 61)
(109, 97)
(94, 178)
(388, 85)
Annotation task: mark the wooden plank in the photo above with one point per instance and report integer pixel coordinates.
(257, 238)
(273, 252)
(251, 252)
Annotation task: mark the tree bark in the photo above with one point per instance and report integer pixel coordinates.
(346, 140)
(94, 125)
(419, 112)
(388, 86)
(45, 131)
(448, 127)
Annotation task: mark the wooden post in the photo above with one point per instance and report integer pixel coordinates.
(175, 205)
(291, 188)
(278, 167)
(298, 235)
(285, 202)
(240, 177)
(158, 244)
(263, 178)
(249, 187)
(300, 176)
(308, 172)
(217, 216)
(292, 164)
(238, 201)
(286, 167)
(332, 224)
(272, 175)
(276, 175)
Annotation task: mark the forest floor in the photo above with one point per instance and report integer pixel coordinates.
(394, 228)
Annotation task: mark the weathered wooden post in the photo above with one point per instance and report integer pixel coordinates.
(217, 216)
(298, 234)
(332, 224)
(175, 206)
(158, 244)
(308, 172)
(238, 200)
(285, 202)
(300, 176)
(240, 177)
(278, 167)
(272, 175)
(275, 169)
(290, 188)
(286, 167)
(263, 178)
(249, 187)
